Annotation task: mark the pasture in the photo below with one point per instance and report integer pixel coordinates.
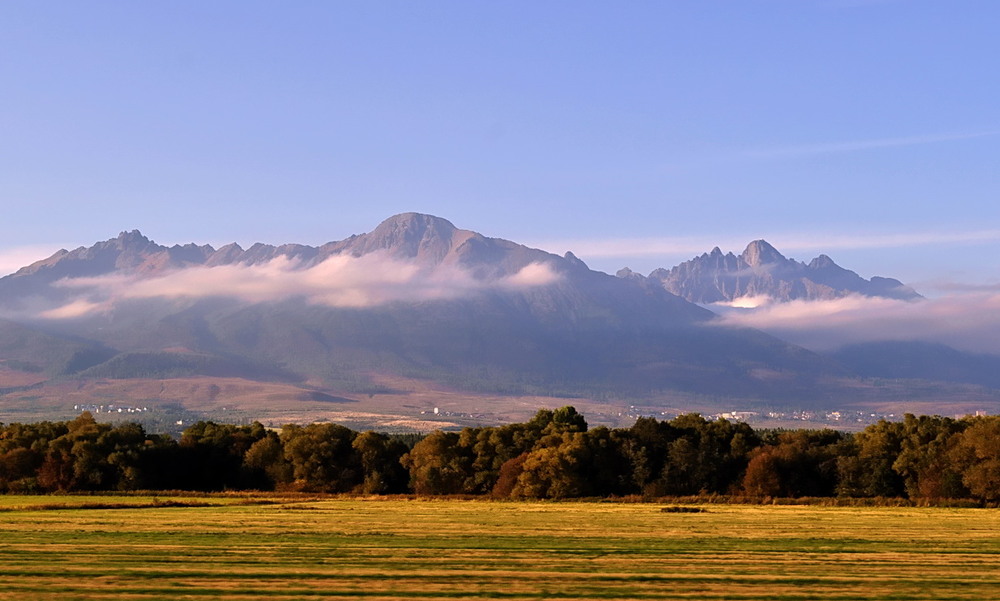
(265, 547)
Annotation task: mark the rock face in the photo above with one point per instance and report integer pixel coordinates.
(760, 270)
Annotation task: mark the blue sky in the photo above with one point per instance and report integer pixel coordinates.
(636, 134)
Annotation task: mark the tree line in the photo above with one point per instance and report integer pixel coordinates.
(553, 455)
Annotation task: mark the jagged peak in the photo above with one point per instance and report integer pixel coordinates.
(193, 246)
(759, 252)
(821, 262)
(659, 273)
(131, 235)
(131, 238)
(576, 261)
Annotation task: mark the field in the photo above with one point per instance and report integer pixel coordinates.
(300, 548)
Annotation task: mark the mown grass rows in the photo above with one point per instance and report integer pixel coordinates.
(380, 549)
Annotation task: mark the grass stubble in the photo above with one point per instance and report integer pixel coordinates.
(291, 548)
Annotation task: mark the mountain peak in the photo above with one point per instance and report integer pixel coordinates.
(411, 235)
(415, 222)
(576, 261)
(759, 252)
(627, 274)
(763, 271)
(134, 235)
(822, 262)
(129, 239)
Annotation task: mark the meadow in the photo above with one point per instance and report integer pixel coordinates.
(273, 547)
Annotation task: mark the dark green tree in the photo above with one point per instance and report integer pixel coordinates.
(380, 458)
(438, 465)
(976, 455)
(266, 463)
(865, 466)
(924, 461)
(322, 457)
(705, 456)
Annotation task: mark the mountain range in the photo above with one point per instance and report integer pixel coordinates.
(761, 271)
(414, 315)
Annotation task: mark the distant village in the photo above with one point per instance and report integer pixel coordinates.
(837, 420)
(850, 420)
(110, 408)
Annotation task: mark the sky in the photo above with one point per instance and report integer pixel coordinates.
(638, 134)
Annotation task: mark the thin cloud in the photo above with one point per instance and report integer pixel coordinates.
(340, 281)
(796, 151)
(786, 243)
(968, 321)
(77, 308)
(745, 302)
(859, 145)
(632, 247)
(951, 287)
(846, 4)
(897, 240)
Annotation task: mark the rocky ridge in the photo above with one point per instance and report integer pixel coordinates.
(761, 271)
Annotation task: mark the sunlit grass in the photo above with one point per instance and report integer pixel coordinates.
(448, 549)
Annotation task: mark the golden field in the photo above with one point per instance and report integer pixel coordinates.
(274, 547)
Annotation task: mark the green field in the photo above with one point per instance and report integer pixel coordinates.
(295, 548)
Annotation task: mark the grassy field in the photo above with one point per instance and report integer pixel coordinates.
(66, 548)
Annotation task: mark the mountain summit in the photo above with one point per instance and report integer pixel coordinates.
(412, 235)
(760, 270)
(759, 253)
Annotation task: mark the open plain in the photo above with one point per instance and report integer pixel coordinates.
(256, 547)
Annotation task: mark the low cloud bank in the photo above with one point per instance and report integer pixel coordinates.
(969, 321)
(340, 281)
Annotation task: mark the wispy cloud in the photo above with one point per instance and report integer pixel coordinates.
(859, 145)
(951, 287)
(786, 243)
(633, 247)
(840, 4)
(826, 242)
(966, 321)
(776, 152)
(340, 281)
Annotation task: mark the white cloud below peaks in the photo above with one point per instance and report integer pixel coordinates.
(340, 281)
(968, 322)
